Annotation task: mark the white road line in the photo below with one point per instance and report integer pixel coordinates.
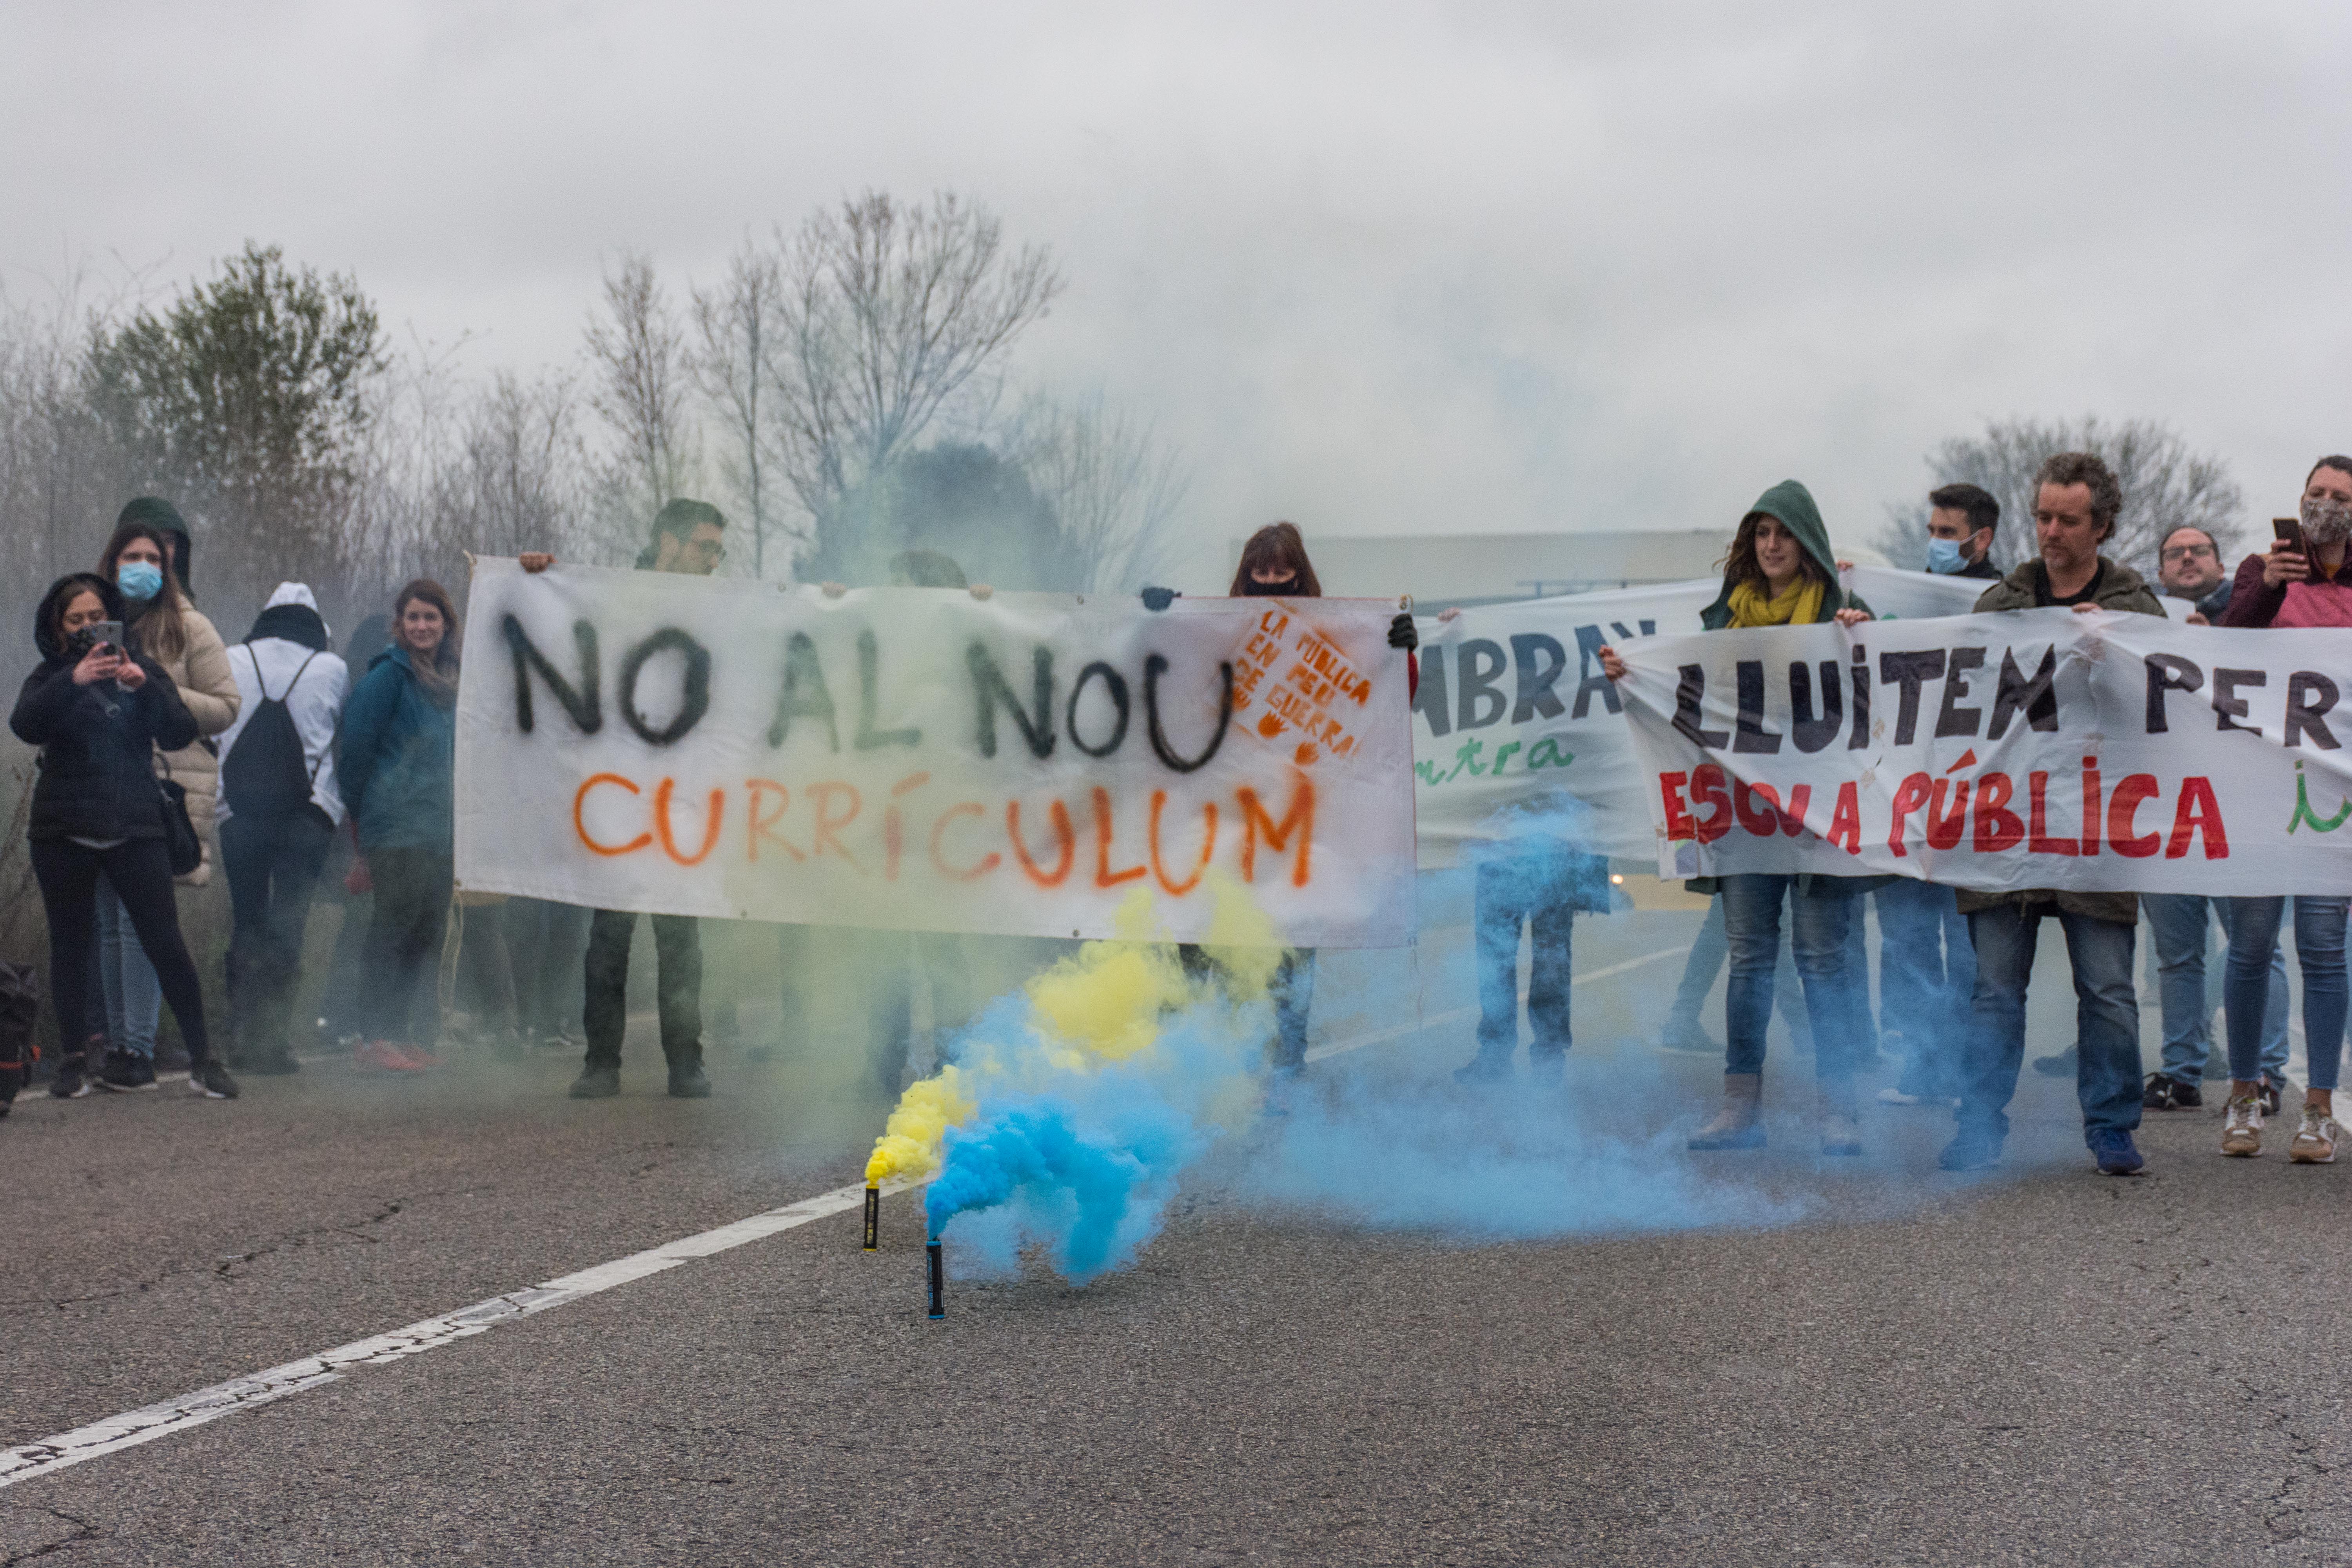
(133, 1428)
(145, 1425)
(1438, 1020)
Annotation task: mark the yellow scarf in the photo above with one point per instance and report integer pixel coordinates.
(1799, 605)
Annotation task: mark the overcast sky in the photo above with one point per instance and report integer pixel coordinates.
(1378, 268)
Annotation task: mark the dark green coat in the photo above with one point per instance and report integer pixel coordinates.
(2124, 590)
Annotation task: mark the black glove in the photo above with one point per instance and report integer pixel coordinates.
(1158, 598)
(1403, 634)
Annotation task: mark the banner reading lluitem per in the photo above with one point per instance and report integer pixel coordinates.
(1513, 712)
(918, 759)
(2031, 749)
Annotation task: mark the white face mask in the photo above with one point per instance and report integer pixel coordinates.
(2326, 521)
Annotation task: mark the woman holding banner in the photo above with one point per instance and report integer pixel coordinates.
(1273, 564)
(1781, 572)
(2310, 586)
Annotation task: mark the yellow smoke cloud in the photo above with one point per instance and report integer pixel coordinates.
(1103, 1004)
(910, 1144)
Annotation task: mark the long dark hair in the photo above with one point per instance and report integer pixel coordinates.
(159, 630)
(1740, 566)
(1276, 547)
(438, 674)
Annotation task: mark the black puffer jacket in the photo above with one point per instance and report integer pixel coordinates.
(98, 744)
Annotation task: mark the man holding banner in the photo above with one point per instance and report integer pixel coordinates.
(2077, 501)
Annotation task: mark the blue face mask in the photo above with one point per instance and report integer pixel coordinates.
(1944, 556)
(140, 580)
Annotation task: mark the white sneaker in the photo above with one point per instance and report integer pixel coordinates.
(2315, 1140)
(2241, 1135)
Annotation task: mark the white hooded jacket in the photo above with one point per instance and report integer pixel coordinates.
(266, 667)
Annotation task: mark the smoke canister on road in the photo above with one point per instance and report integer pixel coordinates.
(873, 1216)
(938, 1267)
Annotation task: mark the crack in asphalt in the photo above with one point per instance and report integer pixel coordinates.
(226, 1267)
(84, 1531)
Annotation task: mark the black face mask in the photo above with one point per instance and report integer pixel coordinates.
(79, 645)
(1254, 589)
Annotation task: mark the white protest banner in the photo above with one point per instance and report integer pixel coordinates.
(1893, 593)
(2031, 749)
(1513, 710)
(918, 759)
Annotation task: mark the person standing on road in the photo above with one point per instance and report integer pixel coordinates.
(395, 767)
(1274, 565)
(1926, 969)
(1541, 881)
(278, 810)
(2189, 566)
(99, 711)
(690, 537)
(165, 627)
(2288, 587)
(1781, 572)
(2077, 501)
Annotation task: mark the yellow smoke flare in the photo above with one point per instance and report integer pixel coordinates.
(910, 1144)
(1103, 1004)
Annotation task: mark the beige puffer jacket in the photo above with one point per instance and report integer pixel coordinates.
(208, 686)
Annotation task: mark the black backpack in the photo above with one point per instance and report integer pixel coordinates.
(265, 774)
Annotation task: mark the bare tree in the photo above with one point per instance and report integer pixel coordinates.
(2166, 486)
(734, 369)
(887, 314)
(637, 352)
(1113, 488)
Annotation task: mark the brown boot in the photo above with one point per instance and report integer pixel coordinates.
(1840, 1122)
(1740, 1123)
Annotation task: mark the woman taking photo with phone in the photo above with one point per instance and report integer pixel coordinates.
(396, 766)
(1781, 571)
(2304, 581)
(161, 624)
(98, 714)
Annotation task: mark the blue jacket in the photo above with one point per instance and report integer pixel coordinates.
(397, 759)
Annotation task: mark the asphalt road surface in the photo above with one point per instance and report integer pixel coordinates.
(1873, 1364)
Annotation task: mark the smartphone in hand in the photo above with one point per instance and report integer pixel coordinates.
(2288, 531)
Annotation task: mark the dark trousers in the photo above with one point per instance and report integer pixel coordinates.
(1512, 893)
(546, 943)
(677, 952)
(140, 871)
(940, 957)
(403, 944)
(1293, 988)
(273, 865)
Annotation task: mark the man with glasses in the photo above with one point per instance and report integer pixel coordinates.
(2189, 565)
(689, 536)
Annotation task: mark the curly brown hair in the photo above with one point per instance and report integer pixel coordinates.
(2088, 469)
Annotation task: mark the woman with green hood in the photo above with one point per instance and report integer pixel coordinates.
(1781, 571)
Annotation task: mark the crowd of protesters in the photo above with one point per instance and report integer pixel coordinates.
(163, 749)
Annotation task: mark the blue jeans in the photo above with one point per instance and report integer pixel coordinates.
(2106, 1018)
(1926, 974)
(1709, 949)
(1818, 926)
(134, 997)
(2178, 924)
(2246, 987)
